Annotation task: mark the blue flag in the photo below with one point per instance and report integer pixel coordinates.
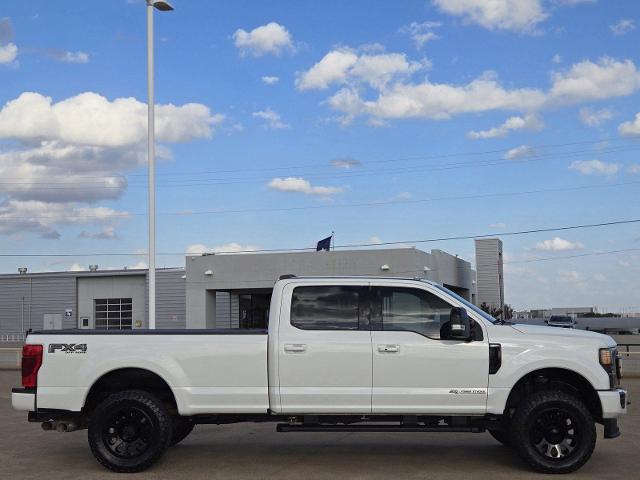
(324, 244)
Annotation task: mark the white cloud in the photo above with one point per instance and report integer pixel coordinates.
(623, 26)
(300, 185)
(233, 247)
(69, 57)
(345, 65)
(8, 53)
(421, 33)
(630, 128)
(271, 38)
(91, 119)
(570, 276)
(272, 119)
(515, 15)
(595, 118)
(375, 240)
(528, 122)
(557, 58)
(107, 233)
(62, 155)
(588, 81)
(345, 162)
(558, 244)
(519, 152)
(498, 225)
(76, 267)
(18, 216)
(594, 167)
(634, 168)
(583, 82)
(270, 80)
(436, 101)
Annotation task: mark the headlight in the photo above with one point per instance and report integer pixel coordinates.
(606, 358)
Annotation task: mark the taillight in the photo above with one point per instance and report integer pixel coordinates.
(31, 362)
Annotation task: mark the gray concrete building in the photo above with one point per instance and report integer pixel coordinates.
(234, 291)
(213, 291)
(490, 273)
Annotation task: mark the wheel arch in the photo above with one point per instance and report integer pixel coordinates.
(555, 378)
(129, 378)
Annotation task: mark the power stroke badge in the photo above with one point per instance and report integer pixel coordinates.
(468, 391)
(68, 348)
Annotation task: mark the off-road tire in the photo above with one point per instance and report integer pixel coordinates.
(502, 436)
(134, 420)
(182, 427)
(524, 428)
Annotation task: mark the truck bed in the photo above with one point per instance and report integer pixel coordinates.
(221, 371)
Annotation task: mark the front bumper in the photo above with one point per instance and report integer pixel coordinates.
(23, 399)
(614, 402)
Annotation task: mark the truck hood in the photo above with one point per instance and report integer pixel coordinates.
(568, 333)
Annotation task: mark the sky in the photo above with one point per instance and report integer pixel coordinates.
(280, 122)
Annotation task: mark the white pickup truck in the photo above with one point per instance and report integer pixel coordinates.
(356, 354)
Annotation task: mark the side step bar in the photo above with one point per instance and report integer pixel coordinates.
(285, 428)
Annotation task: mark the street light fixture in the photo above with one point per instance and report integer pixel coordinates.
(163, 7)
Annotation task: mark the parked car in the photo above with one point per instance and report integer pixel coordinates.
(561, 321)
(340, 355)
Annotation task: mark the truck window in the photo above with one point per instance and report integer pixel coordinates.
(409, 309)
(326, 308)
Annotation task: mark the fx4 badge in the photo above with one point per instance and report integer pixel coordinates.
(68, 347)
(468, 391)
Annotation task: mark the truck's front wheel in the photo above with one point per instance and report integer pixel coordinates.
(553, 432)
(129, 431)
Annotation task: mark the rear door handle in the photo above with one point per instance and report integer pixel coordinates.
(295, 348)
(388, 348)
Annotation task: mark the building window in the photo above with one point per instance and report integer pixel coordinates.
(113, 313)
(326, 308)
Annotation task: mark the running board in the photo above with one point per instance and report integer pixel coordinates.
(285, 428)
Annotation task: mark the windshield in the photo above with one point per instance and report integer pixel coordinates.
(466, 303)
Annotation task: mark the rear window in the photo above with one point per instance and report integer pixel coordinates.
(326, 308)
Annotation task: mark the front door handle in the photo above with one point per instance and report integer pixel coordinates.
(388, 348)
(295, 348)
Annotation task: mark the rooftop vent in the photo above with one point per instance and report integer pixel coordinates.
(93, 268)
(22, 270)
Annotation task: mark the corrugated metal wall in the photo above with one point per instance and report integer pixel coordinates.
(12, 291)
(42, 294)
(490, 278)
(170, 299)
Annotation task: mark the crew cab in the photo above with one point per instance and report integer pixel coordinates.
(356, 354)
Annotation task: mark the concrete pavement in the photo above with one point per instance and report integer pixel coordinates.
(248, 451)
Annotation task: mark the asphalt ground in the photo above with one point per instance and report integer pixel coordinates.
(256, 451)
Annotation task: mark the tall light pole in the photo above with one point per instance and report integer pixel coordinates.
(163, 7)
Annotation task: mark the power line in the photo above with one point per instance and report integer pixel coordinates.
(338, 176)
(347, 246)
(577, 255)
(332, 206)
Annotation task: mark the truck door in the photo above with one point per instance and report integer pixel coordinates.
(415, 368)
(324, 349)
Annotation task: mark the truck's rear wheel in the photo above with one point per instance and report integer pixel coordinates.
(129, 431)
(553, 432)
(182, 427)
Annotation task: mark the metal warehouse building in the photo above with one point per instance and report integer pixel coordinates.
(213, 291)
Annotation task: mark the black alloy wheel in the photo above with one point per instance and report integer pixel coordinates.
(129, 431)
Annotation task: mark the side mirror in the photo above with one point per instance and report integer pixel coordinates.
(460, 324)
